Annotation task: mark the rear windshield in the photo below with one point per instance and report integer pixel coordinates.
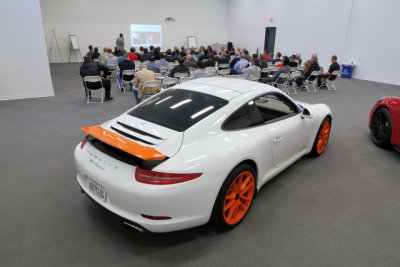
(178, 109)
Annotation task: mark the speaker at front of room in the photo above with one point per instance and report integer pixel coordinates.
(230, 45)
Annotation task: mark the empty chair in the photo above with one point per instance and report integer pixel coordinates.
(96, 60)
(330, 81)
(150, 84)
(185, 79)
(168, 82)
(94, 86)
(223, 72)
(164, 69)
(309, 83)
(291, 81)
(223, 66)
(159, 76)
(128, 78)
(211, 71)
(180, 74)
(292, 69)
(281, 82)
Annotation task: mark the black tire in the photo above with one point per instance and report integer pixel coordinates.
(381, 128)
(320, 137)
(218, 217)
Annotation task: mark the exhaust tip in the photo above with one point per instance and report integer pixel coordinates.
(133, 226)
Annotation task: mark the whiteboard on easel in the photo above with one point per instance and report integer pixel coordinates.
(192, 41)
(74, 41)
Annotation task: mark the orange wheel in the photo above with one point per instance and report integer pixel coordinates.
(239, 197)
(235, 197)
(322, 137)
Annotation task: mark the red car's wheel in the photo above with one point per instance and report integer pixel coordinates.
(235, 197)
(381, 128)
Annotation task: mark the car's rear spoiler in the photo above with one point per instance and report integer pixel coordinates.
(122, 143)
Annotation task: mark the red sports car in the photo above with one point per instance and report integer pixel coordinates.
(384, 122)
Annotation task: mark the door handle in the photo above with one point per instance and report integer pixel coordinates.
(277, 140)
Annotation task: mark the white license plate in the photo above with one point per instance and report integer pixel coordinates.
(98, 190)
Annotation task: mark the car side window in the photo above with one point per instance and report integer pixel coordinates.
(245, 117)
(274, 106)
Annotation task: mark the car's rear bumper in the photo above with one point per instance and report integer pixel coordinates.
(189, 204)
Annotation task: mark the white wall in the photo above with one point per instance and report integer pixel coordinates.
(98, 22)
(24, 65)
(366, 33)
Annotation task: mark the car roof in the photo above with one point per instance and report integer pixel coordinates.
(226, 88)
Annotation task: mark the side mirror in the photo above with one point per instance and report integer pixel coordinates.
(306, 114)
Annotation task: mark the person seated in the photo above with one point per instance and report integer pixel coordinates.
(169, 57)
(88, 68)
(103, 55)
(333, 67)
(152, 65)
(298, 59)
(199, 71)
(205, 56)
(284, 69)
(126, 64)
(175, 52)
(201, 52)
(242, 63)
(151, 51)
(266, 55)
(95, 54)
(121, 58)
(142, 76)
(162, 61)
(235, 60)
(223, 59)
(90, 53)
(116, 52)
(293, 62)
(141, 50)
(277, 58)
(132, 55)
(111, 61)
(157, 53)
(210, 62)
(145, 56)
(181, 68)
(246, 54)
(182, 52)
(189, 61)
(310, 66)
(262, 61)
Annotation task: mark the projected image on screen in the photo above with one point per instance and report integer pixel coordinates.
(146, 35)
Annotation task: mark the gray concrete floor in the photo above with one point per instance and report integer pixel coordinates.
(341, 209)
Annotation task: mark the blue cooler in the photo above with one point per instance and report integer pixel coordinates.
(347, 71)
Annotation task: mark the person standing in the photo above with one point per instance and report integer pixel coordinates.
(120, 42)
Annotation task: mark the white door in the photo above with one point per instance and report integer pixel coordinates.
(285, 125)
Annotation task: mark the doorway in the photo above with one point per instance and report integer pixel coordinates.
(269, 42)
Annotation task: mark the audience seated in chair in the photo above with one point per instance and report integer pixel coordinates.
(277, 58)
(169, 57)
(126, 64)
(334, 66)
(293, 62)
(111, 61)
(189, 61)
(89, 68)
(95, 54)
(298, 59)
(242, 63)
(142, 76)
(103, 55)
(310, 66)
(199, 71)
(90, 52)
(152, 65)
(145, 56)
(162, 61)
(117, 52)
(181, 68)
(284, 69)
(133, 56)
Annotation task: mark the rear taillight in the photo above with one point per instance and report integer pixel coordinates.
(84, 141)
(150, 177)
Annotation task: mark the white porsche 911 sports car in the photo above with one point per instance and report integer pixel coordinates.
(196, 152)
